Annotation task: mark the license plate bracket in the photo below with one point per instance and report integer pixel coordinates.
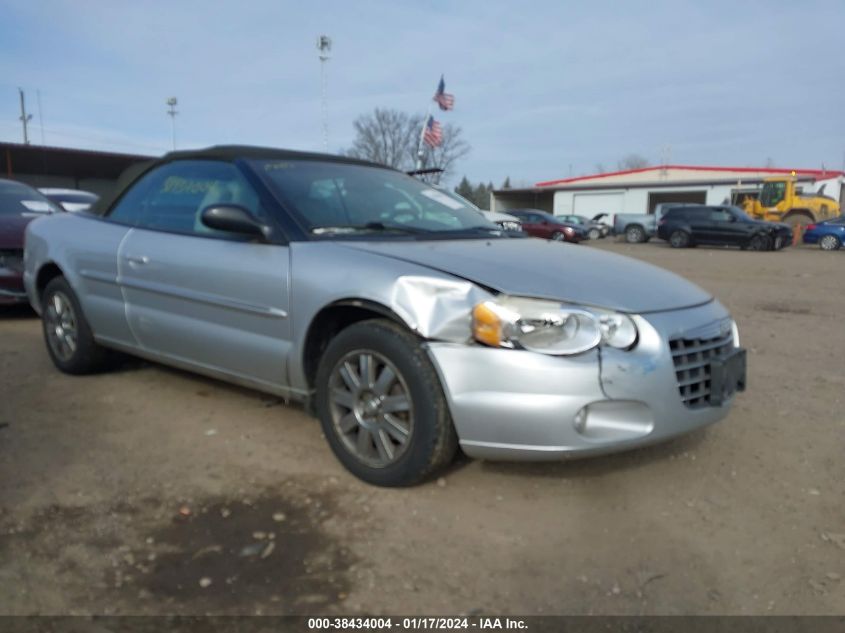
(727, 376)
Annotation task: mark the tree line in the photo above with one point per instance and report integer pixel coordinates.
(391, 137)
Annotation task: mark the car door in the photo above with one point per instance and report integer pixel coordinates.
(545, 226)
(700, 224)
(719, 226)
(200, 297)
(531, 224)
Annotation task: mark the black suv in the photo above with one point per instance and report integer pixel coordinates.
(726, 226)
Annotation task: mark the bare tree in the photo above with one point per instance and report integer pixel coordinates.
(633, 161)
(390, 137)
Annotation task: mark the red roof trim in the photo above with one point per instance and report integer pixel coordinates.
(757, 170)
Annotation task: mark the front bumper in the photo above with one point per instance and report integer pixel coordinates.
(519, 405)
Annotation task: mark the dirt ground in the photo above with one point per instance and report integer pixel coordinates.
(151, 491)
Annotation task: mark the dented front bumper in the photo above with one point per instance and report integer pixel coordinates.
(520, 405)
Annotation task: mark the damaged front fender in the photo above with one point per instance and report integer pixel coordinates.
(437, 308)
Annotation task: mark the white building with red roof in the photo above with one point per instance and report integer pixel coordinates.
(640, 190)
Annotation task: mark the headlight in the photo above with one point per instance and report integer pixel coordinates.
(510, 225)
(549, 327)
(735, 332)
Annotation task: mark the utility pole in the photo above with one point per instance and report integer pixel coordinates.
(324, 45)
(24, 118)
(172, 112)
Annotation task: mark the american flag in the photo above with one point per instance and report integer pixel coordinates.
(433, 135)
(443, 98)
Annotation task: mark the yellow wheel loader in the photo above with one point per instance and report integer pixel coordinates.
(780, 201)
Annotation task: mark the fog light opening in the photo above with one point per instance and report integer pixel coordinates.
(580, 420)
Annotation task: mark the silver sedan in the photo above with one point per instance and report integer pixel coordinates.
(408, 323)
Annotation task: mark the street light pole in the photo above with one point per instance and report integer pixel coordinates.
(172, 112)
(324, 45)
(24, 118)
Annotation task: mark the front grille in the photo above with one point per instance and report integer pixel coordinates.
(692, 358)
(11, 259)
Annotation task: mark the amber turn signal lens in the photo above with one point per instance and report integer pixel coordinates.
(486, 325)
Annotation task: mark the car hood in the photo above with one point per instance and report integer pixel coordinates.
(12, 228)
(550, 270)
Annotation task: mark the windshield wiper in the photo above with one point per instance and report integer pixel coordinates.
(369, 226)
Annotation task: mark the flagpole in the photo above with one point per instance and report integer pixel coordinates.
(422, 136)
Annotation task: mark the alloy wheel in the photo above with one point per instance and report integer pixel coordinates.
(829, 243)
(61, 326)
(371, 408)
(634, 235)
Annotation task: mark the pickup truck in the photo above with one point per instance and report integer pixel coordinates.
(641, 227)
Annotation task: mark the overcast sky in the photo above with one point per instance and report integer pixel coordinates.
(543, 89)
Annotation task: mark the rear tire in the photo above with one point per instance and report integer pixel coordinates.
(635, 234)
(679, 239)
(382, 407)
(829, 243)
(68, 336)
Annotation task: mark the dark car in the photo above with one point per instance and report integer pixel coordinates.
(724, 226)
(829, 235)
(538, 223)
(19, 205)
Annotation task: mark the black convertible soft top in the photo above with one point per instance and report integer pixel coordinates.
(218, 152)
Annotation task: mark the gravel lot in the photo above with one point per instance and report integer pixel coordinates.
(150, 490)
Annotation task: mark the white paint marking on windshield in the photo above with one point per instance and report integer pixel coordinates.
(443, 199)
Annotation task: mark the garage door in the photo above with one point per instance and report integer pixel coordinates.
(693, 197)
(590, 204)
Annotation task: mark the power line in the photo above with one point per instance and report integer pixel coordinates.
(40, 116)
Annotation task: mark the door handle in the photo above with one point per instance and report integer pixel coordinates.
(139, 260)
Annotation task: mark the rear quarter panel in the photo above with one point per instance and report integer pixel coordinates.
(85, 250)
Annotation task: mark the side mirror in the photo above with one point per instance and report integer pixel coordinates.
(234, 219)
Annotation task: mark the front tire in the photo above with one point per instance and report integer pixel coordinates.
(635, 235)
(69, 339)
(679, 239)
(594, 234)
(557, 236)
(381, 405)
(758, 243)
(829, 243)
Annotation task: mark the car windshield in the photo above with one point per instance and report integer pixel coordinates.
(16, 199)
(332, 198)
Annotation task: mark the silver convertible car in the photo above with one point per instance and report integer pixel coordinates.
(408, 323)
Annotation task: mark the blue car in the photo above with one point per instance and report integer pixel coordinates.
(829, 235)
